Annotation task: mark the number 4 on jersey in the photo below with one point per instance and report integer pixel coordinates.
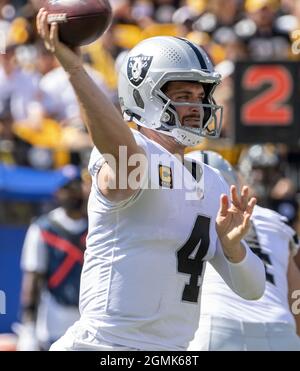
(190, 257)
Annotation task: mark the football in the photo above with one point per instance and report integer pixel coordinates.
(80, 21)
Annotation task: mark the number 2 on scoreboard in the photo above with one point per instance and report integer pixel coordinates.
(269, 107)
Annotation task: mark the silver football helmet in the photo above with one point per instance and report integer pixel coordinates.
(148, 67)
(216, 161)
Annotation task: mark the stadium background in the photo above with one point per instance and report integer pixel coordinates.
(255, 44)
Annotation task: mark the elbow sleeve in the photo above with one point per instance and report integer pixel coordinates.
(248, 277)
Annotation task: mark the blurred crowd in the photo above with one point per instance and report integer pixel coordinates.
(40, 123)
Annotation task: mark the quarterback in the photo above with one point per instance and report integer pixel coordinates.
(148, 245)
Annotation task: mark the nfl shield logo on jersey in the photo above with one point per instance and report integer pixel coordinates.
(137, 68)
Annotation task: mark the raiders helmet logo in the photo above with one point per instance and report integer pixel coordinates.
(137, 68)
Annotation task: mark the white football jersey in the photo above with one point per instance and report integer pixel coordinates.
(145, 257)
(269, 237)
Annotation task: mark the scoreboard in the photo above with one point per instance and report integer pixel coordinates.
(267, 102)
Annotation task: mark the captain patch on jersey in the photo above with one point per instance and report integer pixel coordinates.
(165, 176)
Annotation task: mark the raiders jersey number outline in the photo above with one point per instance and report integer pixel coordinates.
(190, 257)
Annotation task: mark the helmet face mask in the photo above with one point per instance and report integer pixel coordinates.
(209, 124)
(150, 66)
